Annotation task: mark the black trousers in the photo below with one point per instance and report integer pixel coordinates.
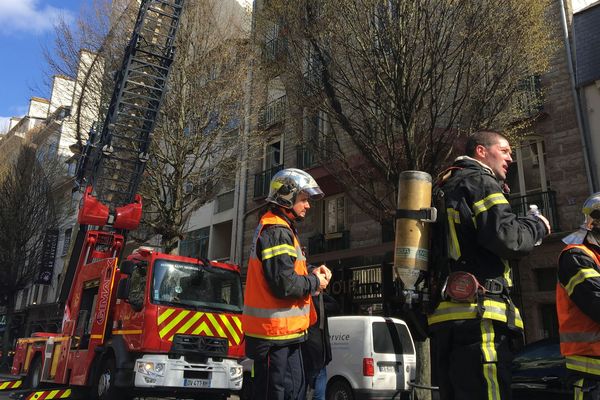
(586, 388)
(278, 373)
(471, 359)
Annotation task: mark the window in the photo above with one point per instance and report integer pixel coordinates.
(195, 244)
(273, 154)
(545, 279)
(66, 242)
(549, 320)
(335, 215)
(526, 173)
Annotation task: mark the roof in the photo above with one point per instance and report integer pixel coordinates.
(586, 32)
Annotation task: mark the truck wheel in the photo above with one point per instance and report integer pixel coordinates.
(34, 375)
(339, 390)
(104, 385)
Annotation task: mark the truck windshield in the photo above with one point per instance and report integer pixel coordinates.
(196, 286)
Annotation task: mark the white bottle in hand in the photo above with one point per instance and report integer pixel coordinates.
(534, 211)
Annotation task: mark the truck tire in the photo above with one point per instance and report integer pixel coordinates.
(103, 387)
(34, 375)
(339, 390)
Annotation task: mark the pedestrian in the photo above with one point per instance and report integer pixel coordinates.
(278, 307)
(578, 303)
(478, 234)
(316, 351)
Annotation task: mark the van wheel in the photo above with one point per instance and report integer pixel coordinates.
(339, 390)
(34, 375)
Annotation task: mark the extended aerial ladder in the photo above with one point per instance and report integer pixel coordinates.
(113, 160)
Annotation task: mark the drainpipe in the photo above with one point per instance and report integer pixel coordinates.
(583, 132)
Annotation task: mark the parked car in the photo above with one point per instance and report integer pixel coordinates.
(540, 369)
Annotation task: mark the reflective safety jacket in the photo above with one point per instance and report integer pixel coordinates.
(483, 234)
(267, 316)
(578, 308)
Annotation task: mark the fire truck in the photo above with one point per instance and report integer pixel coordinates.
(152, 324)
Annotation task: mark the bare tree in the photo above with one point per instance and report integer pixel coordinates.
(29, 215)
(402, 81)
(397, 84)
(195, 141)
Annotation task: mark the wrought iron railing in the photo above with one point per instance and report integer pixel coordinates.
(273, 113)
(546, 202)
(263, 179)
(527, 102)
(323, 243)
(275, 48)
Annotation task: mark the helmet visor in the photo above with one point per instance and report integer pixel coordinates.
(315, 193)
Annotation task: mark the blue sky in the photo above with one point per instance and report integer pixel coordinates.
(25, 25)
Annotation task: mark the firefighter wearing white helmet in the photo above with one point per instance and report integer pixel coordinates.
(278, 307)
(578, 304)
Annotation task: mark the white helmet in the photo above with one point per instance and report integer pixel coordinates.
(287, 183)
(591, 219)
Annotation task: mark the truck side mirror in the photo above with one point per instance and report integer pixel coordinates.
(123, 289)
(127, 267)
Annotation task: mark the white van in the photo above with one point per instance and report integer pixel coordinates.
(373, 358)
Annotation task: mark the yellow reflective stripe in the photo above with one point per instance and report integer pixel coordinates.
(96, 336)
(507, 273)
(488, 202)
(453, 218)
(188, 324)
(579, 277)
(173, 323)
(202, 328)
(10, 384)
(232, 332)
(127, 332)
(163, 316)
(451, 311)
(216, 325)
(490, 358)
(584, 364)
(283, 337)
(52, 394)
(488, 346)
(278, 250)
(578, 389)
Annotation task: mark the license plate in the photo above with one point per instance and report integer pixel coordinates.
(387, 368)
(202, 383)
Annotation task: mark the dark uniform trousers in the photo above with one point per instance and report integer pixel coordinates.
(472, 360)
(279, 374)
(586, 388)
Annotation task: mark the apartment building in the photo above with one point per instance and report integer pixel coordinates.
(550, 170)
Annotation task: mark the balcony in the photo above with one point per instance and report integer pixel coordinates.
(263, 179)
(305, 156)
(527, 102)
(313, 79)
(323, 243)
(275, 48)
(546, 202)
(273, 113)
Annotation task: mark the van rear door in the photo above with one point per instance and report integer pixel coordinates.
(393, 355)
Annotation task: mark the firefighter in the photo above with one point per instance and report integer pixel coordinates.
(578, 302)
(472, 325)
(278, 308)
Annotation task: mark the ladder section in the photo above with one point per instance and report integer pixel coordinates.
(115, 156)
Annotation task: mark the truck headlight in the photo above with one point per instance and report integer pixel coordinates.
(150, 368)
(236, 371)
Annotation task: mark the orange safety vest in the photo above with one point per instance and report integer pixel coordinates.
(266, 316)
(579, 334)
